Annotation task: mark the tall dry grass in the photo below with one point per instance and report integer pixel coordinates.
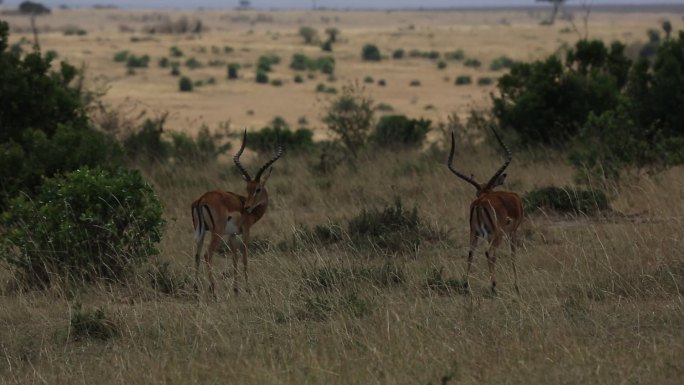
(600, 302)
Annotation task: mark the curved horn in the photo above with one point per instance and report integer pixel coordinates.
(236, 158)
(451, 160)
(509, 157)
(278, 154)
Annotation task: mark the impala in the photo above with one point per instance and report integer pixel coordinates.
(224, 213)
(493, 214)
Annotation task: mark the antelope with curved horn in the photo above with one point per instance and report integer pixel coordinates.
(493, 214)
(227, 213)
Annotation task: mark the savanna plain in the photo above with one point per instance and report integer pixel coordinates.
(600, 296)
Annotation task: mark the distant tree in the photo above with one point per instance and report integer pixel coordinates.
(332, 33)
(309, 34)
(350, 117)
(31, 8)
(556, 7)
(667, 27)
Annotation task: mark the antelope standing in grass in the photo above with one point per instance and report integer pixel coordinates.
(493, 214)
(224, 213)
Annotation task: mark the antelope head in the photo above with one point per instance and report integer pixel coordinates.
(497, 179)
(256, 188)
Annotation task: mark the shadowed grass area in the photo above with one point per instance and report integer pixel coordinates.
(601, 297)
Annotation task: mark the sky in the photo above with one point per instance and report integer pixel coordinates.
(299, 4)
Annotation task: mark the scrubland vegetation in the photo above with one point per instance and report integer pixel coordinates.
(356, 268)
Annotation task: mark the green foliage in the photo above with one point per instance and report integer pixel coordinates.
(261, 76)
(193, 63)
(441, 64)
(463, 80)
(265, 62)
(350, 117)
(121, 56)
(185, 84)
(485, 81)
(137, 61)
(298, 79)
(370, 52)
(175, 52)
(91, 223)
(393, 131)
(500, 63)
(455, 55)
(164, 62)
(91, 324)
(327, 46)
(474, 63)
(233, 69)
(309, 34)
(566, 200)
(266, 139)
(332, 33)
(276, 82)
(546, 102)
(398, 54)
(147, 143)
(33, 8)
(392, 228)
(45, 128)
(326, 64)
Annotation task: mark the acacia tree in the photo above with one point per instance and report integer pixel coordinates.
(556, 7)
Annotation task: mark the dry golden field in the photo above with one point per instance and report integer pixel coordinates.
(601, 297)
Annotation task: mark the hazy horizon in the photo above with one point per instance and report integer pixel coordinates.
(337, 4)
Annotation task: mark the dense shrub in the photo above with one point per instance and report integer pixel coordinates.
(441, 64)
(88, 224)
(185, 84)
(370, 52)
(392, 228)
(500, 63)
(463, 80)
(309, 34)
(566, 200)
(398, 54)
(193, 63)
(474, 63)
(266, 139)
(137, 61)
(399, 131)
(350, 117)
(455, 55)
(546, 102)
(121, 56)
(261, 76)
(233, 69)
(485, 81)
(45, 129)
(326, 64)
(175, 51)
(265, 62)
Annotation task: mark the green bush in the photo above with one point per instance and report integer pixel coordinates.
(309, 34)
(441, 64)
(261, 76)
(265, 62)
(91, 223)
(566, 200)
(485, 81)
(121, 56)
(500, 63)
(370, 52)
(164, 62)
(298, 79)
(175, 52)
(301, 62)
(392, 228)
(276, 83)
(326, 64)
(398, 54)
(474, 63)
(327, 46)
(266, 139)
(185, 84)
(463, 80)
(45, 129)
(233, 69)
(546, 102)
(193, 63)
(350, 117)
(399, 131)
(137, 61)
(455, 55)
